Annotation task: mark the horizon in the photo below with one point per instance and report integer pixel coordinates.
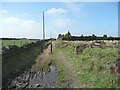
(57, 37)
(21, 19)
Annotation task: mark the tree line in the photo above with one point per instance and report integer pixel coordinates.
(69, 37)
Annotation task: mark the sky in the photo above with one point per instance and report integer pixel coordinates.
(24, 19)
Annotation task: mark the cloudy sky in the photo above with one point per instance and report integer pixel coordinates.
(24, 19)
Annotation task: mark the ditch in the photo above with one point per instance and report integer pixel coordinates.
(31, 79)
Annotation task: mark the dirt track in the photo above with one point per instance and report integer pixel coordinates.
(70, 81)
(42, 57)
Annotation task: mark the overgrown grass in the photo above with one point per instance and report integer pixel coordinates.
(92, 66)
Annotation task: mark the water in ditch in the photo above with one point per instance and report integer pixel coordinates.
(40, 79)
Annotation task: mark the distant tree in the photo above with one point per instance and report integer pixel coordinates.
(82, 35)
(104, 36)
(60, 36)
(93, 35)
(68, 34)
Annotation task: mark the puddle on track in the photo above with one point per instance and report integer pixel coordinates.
(43, 79)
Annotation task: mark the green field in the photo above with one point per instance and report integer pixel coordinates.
(16, 42)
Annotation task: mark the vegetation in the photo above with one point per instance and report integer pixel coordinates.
(78, 63)
(17, 59)
(62, 76)
(16, 42)
(92, 68)
(69, 37)
(60, 36)
(105, 36)
(68, 34)
(93, 35)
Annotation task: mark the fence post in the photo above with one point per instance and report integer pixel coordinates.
(51, 47)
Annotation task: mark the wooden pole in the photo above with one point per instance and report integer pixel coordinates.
(51, 47)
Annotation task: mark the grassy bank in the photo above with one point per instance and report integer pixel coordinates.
(17, 63)
(92, 68)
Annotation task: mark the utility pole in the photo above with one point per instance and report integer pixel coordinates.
(43, 27)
